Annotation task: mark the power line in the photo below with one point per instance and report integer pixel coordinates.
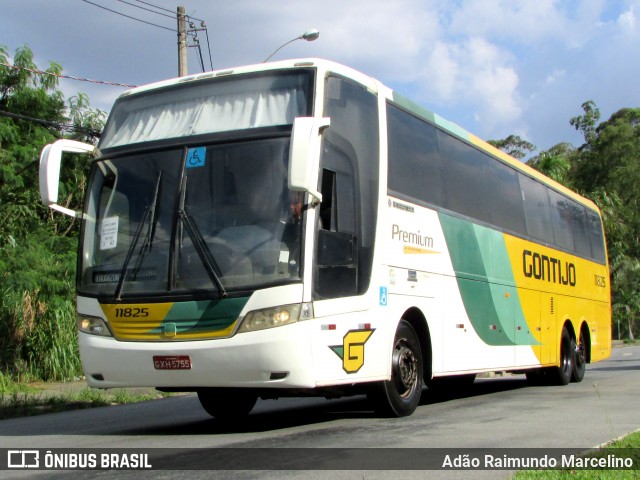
(147, 9)
(192, 33)
(165, 9)
(49, 123)
(129, 16)
(209, 48)
(40, 72)
(155, 6)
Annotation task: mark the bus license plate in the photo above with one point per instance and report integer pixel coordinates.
(172, 362)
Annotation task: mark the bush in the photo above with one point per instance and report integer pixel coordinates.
(38, 338)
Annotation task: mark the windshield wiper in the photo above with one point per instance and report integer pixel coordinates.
(150, 214)
(199, 243)
(151, 230)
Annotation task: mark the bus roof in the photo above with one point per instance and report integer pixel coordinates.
(374, 85)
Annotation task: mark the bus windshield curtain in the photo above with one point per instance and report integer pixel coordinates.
(205, 114)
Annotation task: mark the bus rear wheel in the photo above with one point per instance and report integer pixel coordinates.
(399, 397)
(579, 360)
(564, 372)
(227, 403)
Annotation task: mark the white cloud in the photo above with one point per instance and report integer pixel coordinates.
(443, 71)
(386, 39)
(477, 73)
(523, 21)
(627, 21)
(554, 76)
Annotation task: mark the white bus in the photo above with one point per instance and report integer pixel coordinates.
(297, 228)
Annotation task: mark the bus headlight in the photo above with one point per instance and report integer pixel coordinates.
(275, 317)
(93, 326)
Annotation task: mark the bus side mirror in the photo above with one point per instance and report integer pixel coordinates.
(304, 154)
(50, 160)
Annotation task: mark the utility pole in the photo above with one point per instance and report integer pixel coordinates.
(182, 42)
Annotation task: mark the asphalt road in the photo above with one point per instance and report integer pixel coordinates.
(502, 412)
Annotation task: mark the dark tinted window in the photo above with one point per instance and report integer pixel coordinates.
(580, 230)
(433, 166)
(505, 203)
(437, 168)
(561, 216)
(466, 178)
(597, 238)
(350, 161)
(414, 161)
(536, 209)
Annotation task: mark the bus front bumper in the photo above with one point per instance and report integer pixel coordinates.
(274, 358)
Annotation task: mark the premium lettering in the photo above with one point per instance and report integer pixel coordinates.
(414, 238)
(543, 267)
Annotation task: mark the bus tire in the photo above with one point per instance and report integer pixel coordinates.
(564, 371)
(400, 396)
(227, 403)
(579, 359)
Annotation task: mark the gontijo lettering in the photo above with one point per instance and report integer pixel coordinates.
(542, 267)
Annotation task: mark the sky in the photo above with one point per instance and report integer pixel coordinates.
(494, 67)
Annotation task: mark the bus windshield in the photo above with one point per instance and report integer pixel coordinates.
(211, 106)
(213, 218)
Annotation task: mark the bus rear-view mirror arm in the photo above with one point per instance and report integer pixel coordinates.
(304, 155)
(50, 160)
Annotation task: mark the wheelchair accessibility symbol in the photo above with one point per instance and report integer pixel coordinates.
(196, 157)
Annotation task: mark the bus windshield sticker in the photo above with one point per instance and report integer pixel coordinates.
(109, 233)
(196, 157)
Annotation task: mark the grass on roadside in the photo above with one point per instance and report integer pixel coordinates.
(21, 400)
(626, 446)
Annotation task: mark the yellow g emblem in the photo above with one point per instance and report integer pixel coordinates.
(352, 349)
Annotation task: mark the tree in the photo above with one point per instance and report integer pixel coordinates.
(38, 249)
(607, 169)
(513, 145)
(587, 123)
(555, 162)
(611, 157)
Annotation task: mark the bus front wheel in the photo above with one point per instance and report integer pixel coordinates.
(399, 397)
(227, 403)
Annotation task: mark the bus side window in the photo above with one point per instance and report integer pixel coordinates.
(336, 255)
(328, 213)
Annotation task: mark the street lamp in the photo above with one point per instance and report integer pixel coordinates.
(309, 36)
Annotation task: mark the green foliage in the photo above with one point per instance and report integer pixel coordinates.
(555, 162)
(611, 159)
(38, 337)
(19, 400)
(587, 123)
(514, 145)
(607, 170)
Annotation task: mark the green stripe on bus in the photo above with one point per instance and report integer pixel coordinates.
(486, 282)
(451, 127)
(203, 316)
(414, 108)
